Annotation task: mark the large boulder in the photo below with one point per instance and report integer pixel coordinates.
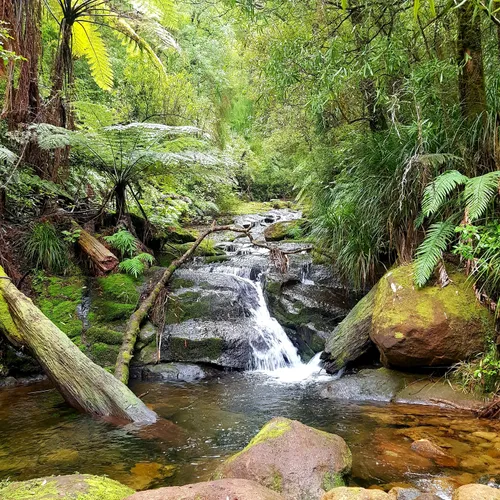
(227, 489)
(77, 486)
(476, 492)
(291, 229)
(293, 459)
(432, 326)
(350, 340)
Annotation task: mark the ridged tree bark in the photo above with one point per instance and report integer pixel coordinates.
(83, 384)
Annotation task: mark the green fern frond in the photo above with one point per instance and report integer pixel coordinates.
(123, 241)
(49, 136)
(430, 252)
(137, 265)
(479, 192)
(435, 194)
(88, 43)
(147, 258)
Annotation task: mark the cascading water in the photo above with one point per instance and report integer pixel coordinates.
(273, 352)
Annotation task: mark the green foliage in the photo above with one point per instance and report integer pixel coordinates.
(123, 241)
(136, 265)
(479, 192)
(430, 252)
(437, 192)
(45, 249)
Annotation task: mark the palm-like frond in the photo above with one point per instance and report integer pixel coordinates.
(51, 137)
(7, 156)
(88, 43)
(435, 194)
(430, 252)
(479, 192)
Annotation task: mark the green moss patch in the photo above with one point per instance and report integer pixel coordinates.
(104, 334)
(194, 350)
(104, 354)
(286, 230)
(188, 305)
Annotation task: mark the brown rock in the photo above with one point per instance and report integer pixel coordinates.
(291, 458)
(430, 326)
(476, 492)
(344, 493)
(399, 493)
(428, 449)
(428, 496)
(230, 489)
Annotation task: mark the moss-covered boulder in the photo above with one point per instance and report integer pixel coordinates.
(239, 489)
(344, 493)
(432, 326)
(286, 230)
(74, 487)
(351, 339)
(180, 235)
(292, 459)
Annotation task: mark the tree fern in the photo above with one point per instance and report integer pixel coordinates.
(88, 43)
(7, 156)
(479, 192)
(430, 252)
(435, 194)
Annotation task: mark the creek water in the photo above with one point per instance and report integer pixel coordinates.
(207, 421)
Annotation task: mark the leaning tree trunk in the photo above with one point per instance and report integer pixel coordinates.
(83, 384)
(103, 260)
(134, 323)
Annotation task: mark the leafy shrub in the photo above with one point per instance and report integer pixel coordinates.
(123, 241)
(45, 249)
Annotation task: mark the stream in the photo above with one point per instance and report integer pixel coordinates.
(217, 417)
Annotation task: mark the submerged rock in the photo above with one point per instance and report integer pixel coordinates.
(431, 326)
(227, 489)
(476, 492)
(80, 486)
(293, 459)
(181, 372)
(351, 338)
(344, 493)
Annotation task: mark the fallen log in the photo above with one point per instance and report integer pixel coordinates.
(83, 384)
(134, 323)
(102, 258)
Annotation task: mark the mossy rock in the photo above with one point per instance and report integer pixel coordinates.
(186, 306)
(104, 334)
(432, 326)
(286, 230)
(182, 349)
(181, 235)
(104, 354)
(74, 487)
(59, 299)
(291, 458)
(104, 311)
(120, 287)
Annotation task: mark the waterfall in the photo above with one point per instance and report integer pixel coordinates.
(273, 352)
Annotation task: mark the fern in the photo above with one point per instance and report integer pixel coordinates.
(479, 192)
(430, 252)
(7, 156)
(435, 194)
(87, 42)
(123, 241)
(136, 265)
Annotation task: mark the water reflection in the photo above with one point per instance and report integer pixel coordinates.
(41, 435)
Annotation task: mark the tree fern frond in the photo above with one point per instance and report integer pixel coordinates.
(431, 250)
(478, 193)
(7, 156)
(435, 193)
(87, 42)
(49, 136)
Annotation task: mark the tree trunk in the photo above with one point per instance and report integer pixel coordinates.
(121, 201)
(101, 257)
(134, 323)
(471, 82)
(83, 384)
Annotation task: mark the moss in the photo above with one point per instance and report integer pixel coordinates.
(290, 230)
(104, 334)
(194, 350)
(181, 235)
(276, 482)
(107, 311)
(120, 287)
(216, 258)
(6, 321)
(188, 305)
(332, 480)
(77, 487)
(104, 354)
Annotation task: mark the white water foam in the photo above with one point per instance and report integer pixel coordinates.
(273, 352)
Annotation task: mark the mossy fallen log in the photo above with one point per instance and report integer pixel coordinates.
(103, 260)
(83, 384)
